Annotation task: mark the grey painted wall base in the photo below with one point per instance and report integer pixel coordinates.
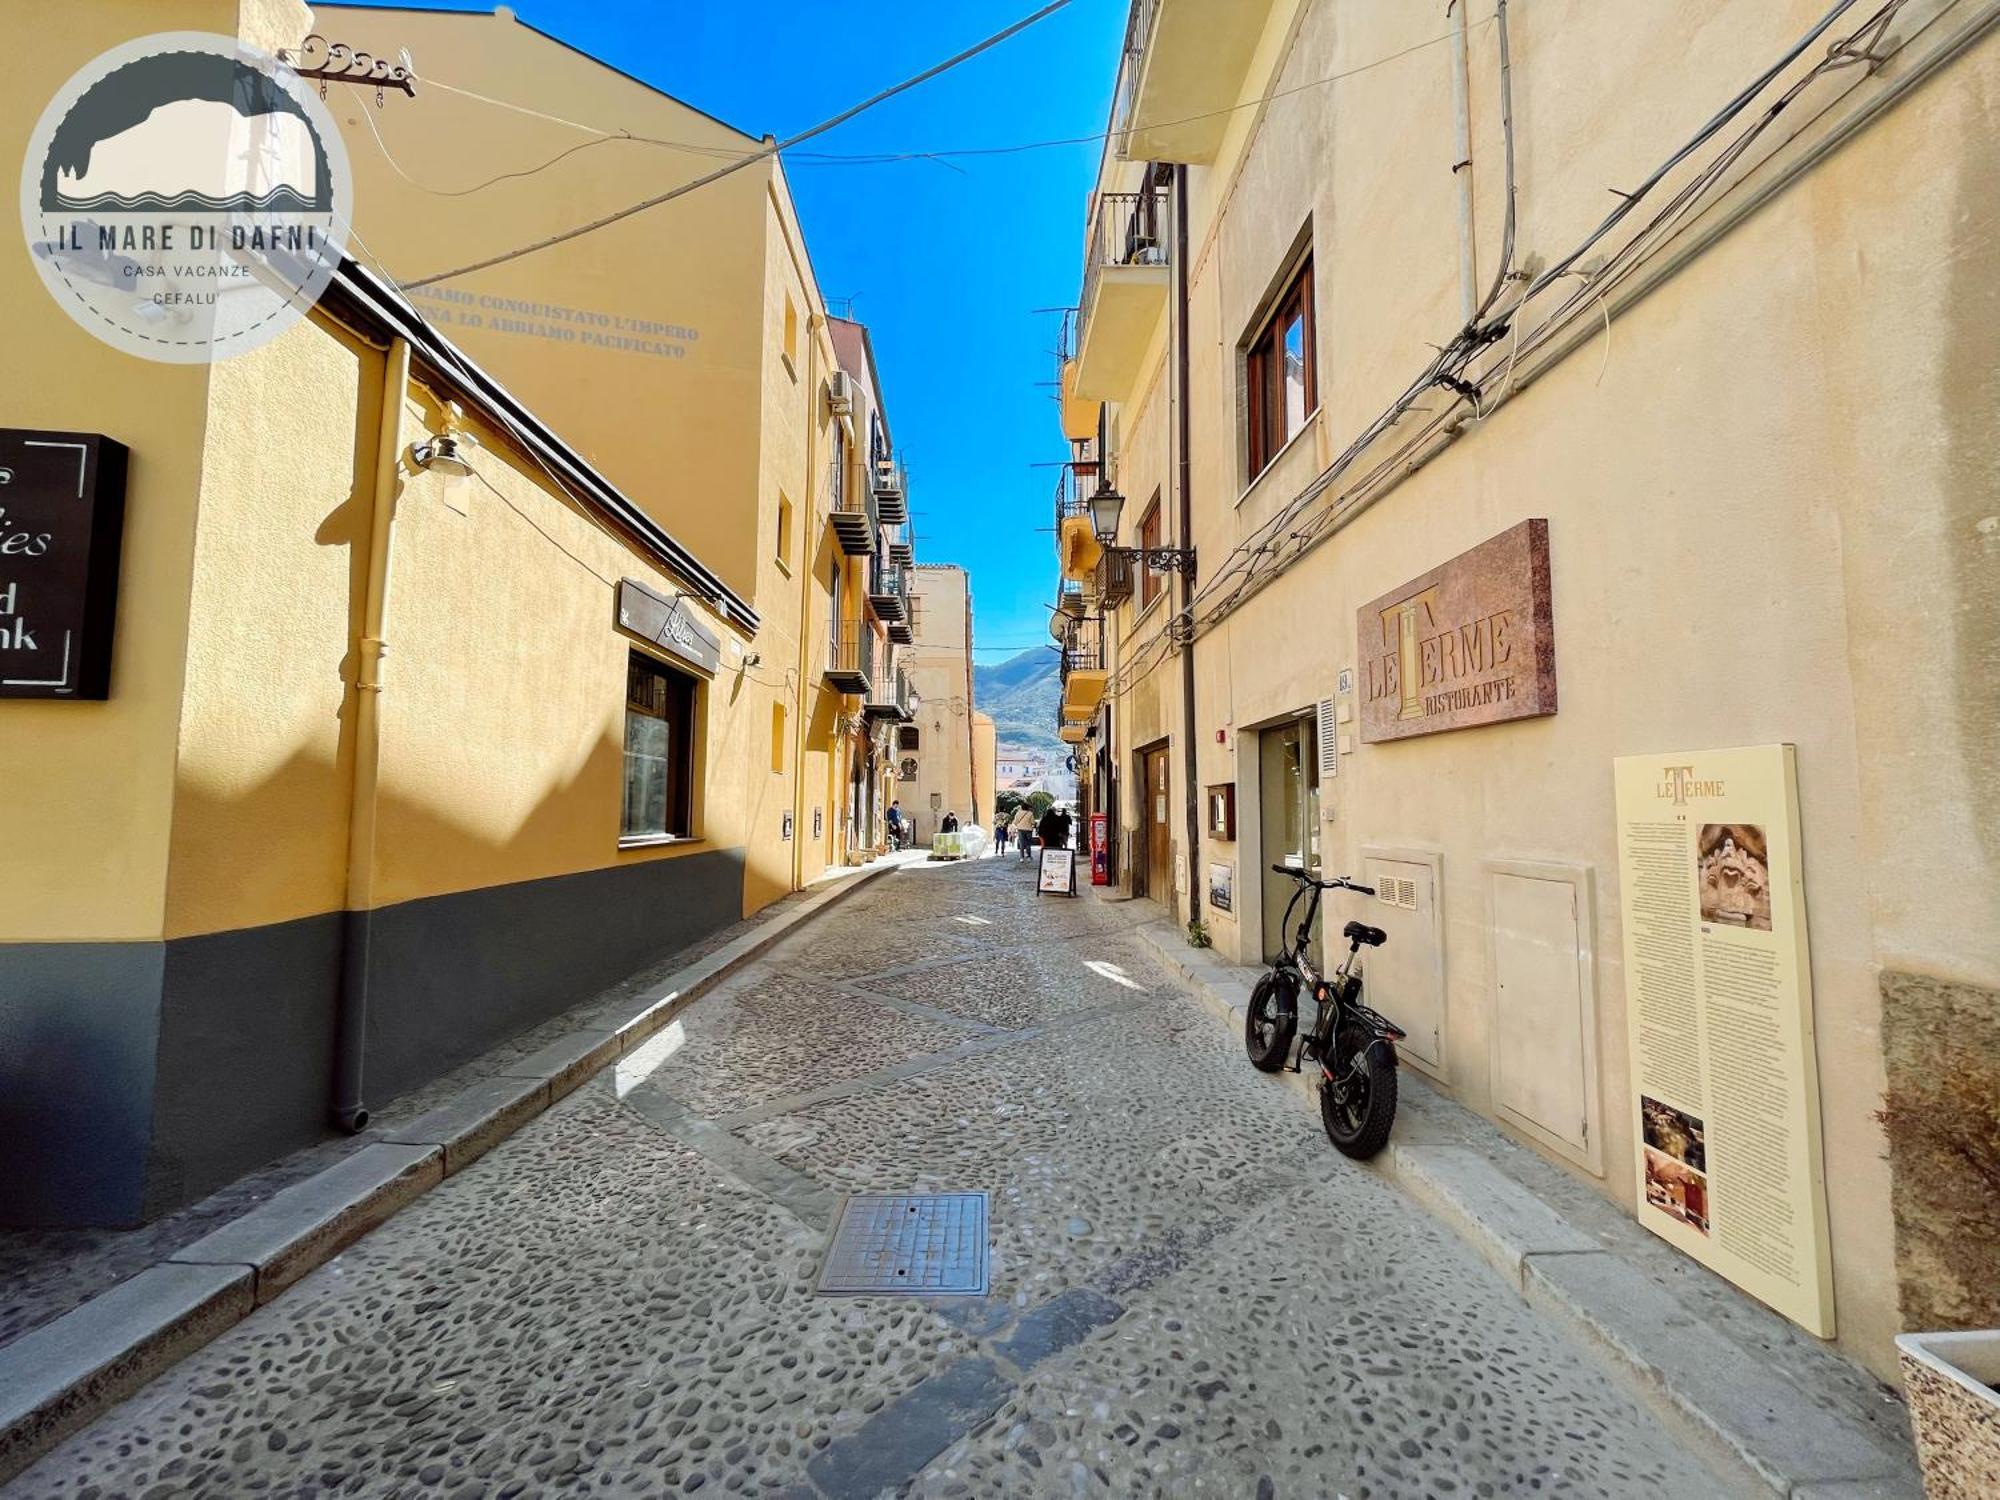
(136, 1077)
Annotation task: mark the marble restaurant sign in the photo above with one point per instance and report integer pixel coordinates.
(1470, 642)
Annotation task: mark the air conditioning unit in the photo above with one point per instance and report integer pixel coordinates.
(840, 393)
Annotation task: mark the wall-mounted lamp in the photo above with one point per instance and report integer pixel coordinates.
(1106, 507)
(446, 452)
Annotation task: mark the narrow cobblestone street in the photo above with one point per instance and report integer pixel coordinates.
(1191, 1292)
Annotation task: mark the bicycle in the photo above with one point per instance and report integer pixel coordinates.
(1354, 1046)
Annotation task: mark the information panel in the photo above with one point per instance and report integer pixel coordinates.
(1057, 875)
(1719, 994)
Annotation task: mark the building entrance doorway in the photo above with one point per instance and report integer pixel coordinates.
(1288, 799)
(1158, 823)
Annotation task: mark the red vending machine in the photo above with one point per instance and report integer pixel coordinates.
(1100, 849)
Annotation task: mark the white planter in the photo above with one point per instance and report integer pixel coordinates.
(1949, 1380)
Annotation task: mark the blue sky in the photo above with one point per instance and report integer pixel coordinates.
(946, 266)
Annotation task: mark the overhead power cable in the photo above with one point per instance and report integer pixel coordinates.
(943, 157)
(762, 153)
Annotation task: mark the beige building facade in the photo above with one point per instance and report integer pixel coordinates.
(1357, 301)
(937, 757)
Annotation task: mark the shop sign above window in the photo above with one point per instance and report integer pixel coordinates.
(62, 514)
(668, 624)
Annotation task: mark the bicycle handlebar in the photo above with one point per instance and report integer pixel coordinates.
(1338, 883)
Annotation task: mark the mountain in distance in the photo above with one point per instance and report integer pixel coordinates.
(1021, 694)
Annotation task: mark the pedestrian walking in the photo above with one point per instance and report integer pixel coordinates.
(896, 825)
(1023, 828)
(1053, 830)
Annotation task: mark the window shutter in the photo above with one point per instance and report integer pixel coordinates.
(1329, 746)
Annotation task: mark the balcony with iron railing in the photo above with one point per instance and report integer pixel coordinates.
(1085, 671)
(888, 593)
(1125, 281)
(891, 492)
(889, 695)
(850, 665)
(1184, 69)
(851, 510)
(1113, 579)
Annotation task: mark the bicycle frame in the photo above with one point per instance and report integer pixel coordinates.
(1334, 993)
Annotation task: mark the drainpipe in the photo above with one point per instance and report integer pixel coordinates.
(1461, 167)
(351, 1038)
(814, 323)
(1183, 480)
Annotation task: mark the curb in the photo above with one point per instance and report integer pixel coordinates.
(1749, 1423)
(58, 1378)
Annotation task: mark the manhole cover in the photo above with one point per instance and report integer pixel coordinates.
(932, 1244)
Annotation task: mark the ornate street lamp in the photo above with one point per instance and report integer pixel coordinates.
(1106, 507)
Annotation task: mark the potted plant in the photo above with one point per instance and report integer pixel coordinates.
(1950, 1381)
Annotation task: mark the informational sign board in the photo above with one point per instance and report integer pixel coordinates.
(1100, 849)
(62, 516)
(1222, 887)
(1719, 996)
(1057, 875)
(1470, 642)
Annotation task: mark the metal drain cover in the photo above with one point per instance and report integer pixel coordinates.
(928, 1244)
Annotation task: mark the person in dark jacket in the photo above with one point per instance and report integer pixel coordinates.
(1053, 830)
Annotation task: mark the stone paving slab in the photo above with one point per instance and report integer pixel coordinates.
(476, 1121)
(1745, 1415)
(310, 1223)
(59, 1376)
(565, 1063)
(1504, 1225)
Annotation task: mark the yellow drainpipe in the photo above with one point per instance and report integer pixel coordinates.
(350, 1112)
(807, 566)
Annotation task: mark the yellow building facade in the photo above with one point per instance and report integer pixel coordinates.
(401, 757)
(1750, 416)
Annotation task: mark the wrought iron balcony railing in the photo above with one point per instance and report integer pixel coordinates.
(891, 487)
(850, 665)
(1126, 229)
(852, 511)
(1138, 32)
(888, 593)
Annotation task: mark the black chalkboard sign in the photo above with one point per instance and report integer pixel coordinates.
(62, 515)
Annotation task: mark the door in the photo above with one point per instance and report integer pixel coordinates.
(1543, 1016)
(1288, 802)
(1159, 830)
(1405, 976)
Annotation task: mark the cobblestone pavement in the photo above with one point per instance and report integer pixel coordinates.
(1191, 1293)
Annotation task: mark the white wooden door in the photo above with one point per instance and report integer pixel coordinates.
(1404, 978)
(1543, 1019)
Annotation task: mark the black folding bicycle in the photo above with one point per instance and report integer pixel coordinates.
(1353, 1045)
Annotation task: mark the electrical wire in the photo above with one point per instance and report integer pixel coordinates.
(762, 153)
(942, 157)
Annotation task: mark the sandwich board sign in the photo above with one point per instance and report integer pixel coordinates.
(1057, 876)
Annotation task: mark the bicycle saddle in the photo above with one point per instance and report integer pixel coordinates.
(1361, 932)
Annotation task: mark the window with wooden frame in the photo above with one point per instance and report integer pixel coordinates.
(1150, 583)
(1280, 371)
(659, 751)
